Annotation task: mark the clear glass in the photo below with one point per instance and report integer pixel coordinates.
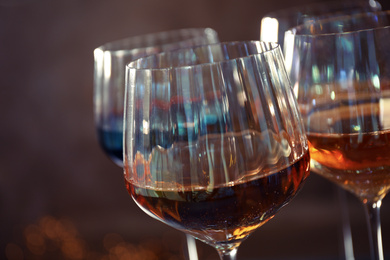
(340, 69)
(213, 140)
(276, 23)
(109, 78)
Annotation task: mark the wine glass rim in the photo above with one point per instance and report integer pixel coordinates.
(118, 45)
(274, 47)
(294, 30)
(318, 7)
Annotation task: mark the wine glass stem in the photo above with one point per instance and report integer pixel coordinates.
(374, 228)
(228, 254)
(191, 246)
(346, 227)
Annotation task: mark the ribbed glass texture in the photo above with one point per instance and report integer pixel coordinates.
(233, 89)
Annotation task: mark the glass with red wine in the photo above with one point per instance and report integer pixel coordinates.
(214, 144)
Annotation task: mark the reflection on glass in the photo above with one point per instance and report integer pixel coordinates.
(109, 78)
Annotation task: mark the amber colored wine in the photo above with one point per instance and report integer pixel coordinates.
(349, 142)
(226, 213)
(358, 162)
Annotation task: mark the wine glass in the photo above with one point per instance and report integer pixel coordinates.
(109, 78)
(273, 27)
(214, 144)
(274, 24)
(109, 84)
(340, 69)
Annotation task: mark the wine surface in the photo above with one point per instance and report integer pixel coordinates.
(226, 213)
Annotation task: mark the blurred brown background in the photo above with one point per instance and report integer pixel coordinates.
(62, 198)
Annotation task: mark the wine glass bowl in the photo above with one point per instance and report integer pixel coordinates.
(344, 99)
(214, 144)
(349, 145)
(109, 78)
(340, 69)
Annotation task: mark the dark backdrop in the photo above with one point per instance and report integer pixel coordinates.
(61, 197)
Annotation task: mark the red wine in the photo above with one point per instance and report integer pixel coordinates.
(225, 213)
